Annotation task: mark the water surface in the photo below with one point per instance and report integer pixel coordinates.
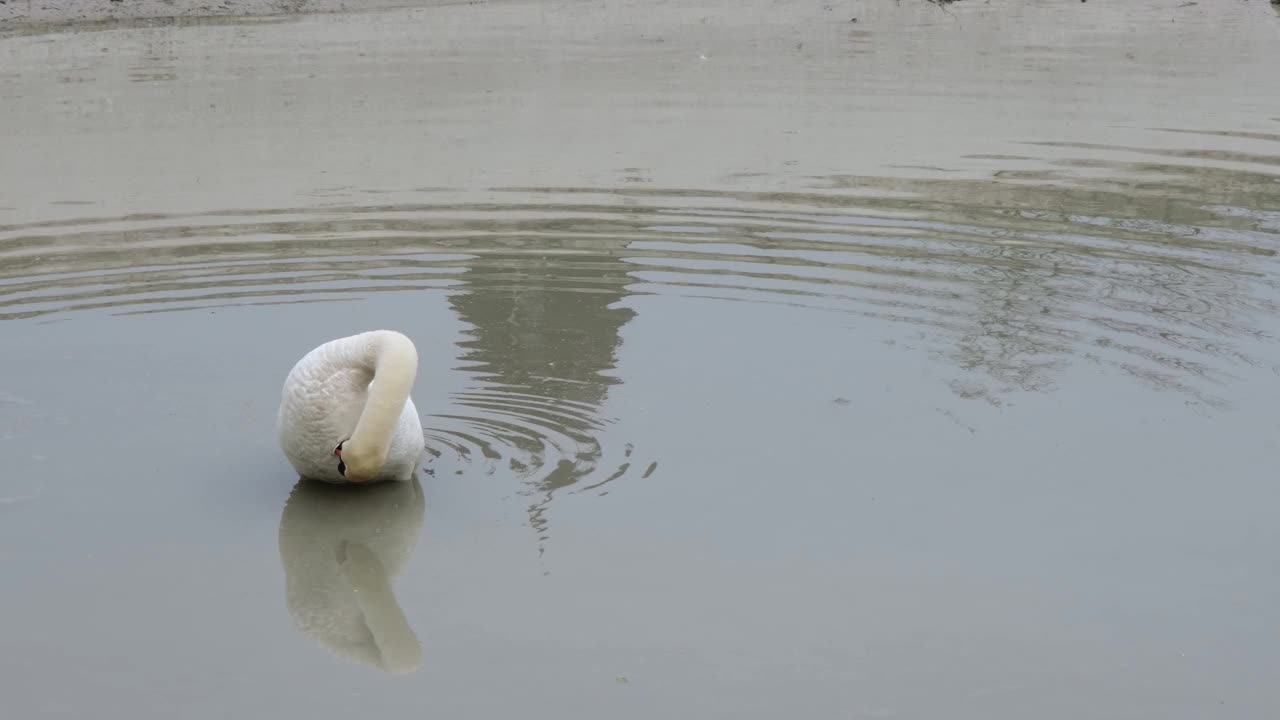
(772, 363)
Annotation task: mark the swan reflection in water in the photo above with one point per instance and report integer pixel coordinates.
(341, 547)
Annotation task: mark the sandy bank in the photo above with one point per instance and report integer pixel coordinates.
(33, 12)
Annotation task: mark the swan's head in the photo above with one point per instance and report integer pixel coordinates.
(359, 463)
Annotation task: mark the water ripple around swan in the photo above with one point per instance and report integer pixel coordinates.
(1160, 272)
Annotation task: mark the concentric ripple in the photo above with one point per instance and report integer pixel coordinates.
(1165, 273)
(549, 444)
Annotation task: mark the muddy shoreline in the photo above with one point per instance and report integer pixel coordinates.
(25, 13)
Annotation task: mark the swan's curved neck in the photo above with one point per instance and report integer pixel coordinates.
(392, 360)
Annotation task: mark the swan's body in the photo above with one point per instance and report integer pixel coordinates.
(342, 547)
(345, 411)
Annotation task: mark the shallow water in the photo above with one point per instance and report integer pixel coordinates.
(923, 366)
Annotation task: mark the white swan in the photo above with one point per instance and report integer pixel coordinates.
(345, 411)
(341, 546)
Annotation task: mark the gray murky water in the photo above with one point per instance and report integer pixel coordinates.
(773, 364)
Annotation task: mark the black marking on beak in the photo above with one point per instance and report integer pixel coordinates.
(342, 468)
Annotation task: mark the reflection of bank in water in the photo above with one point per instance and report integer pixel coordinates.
(341, 547)
(1162, 269)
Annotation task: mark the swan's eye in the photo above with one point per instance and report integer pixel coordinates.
(342, 468)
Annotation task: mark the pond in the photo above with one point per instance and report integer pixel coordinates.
(882, 360)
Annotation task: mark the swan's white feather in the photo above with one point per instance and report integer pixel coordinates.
(322, 400)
